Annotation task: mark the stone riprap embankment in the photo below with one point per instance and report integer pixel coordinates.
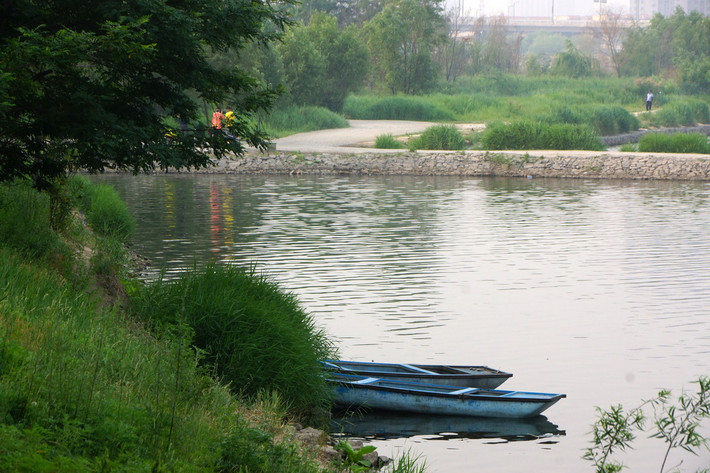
(536, 164)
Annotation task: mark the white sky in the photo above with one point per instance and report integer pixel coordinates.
(497, 7)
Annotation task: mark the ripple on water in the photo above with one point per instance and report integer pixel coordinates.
(599, 289)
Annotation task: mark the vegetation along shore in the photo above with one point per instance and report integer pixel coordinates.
(217, 369)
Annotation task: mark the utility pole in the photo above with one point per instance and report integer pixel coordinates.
(553, 11)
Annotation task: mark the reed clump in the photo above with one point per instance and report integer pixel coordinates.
(446, 137)
(675, 143)
(387, 141)
(397, 107)
(254, 336)
(686, 112)
(537, 135)
(605, 120)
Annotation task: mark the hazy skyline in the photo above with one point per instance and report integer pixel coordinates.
(562, 7)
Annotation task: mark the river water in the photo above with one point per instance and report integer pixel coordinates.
(596, 289)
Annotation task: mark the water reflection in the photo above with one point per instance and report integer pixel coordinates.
(597, 289)
(383, 425)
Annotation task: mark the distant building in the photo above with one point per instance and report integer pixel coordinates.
(548, 8)
(645, 9)
(700, 6)
(533, 8)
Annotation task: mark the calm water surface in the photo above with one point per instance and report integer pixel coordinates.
(597, 289)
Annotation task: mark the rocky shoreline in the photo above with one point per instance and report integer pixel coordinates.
(529, 164)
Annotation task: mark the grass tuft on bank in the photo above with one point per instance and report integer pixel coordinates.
(537, 135)
(254, 336)
(674, 143)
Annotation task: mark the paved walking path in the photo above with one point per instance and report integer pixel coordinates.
(359, 137)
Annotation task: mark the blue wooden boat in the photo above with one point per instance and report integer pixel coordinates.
(450, 375)
(351, 391)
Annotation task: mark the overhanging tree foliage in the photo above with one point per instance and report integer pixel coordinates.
(89, 84)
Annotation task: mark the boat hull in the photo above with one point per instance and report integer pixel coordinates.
(450, 375)
(383, 394)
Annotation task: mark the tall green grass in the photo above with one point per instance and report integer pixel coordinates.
(605, 120)
(255, 336)
(84, 388)
(88, 385)
(387, 141)
(536, 135)
(25, 223)
(105, 212)
(680, 113)
(399, 107)
(445, 137)
(290, 120)
(675, 143)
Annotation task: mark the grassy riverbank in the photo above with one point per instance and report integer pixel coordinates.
(101, 373)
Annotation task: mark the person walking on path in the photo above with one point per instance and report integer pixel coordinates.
(649, 101)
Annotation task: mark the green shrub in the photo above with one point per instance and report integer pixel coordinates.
(387, 142)
(664, 117)
(536, 135)
(84, 388)
(394, 108)
(445, 137)
(256, 337)
(563, 114)
(570, 137)
(605, 120)
(686, 113)
(701, 111)
(625, 120)
(676, 143)
(602, 119)
(679, 114)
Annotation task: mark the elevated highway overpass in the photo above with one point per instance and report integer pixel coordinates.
(564, 25)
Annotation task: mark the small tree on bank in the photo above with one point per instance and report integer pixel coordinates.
(402, 39)
(323, 63)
